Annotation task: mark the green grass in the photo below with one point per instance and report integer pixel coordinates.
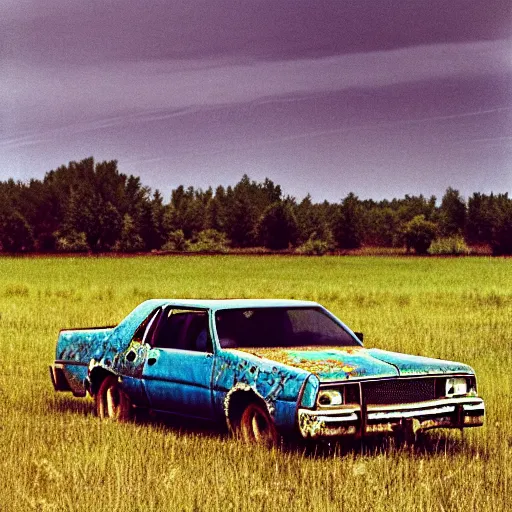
(57, 456)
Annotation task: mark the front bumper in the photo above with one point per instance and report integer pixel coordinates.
(355, 420)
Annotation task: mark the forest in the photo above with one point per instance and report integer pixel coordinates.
(92, 207)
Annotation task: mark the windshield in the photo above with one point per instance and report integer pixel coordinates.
(279, 327)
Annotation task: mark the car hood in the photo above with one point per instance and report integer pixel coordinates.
(417, 365)
(345, 363)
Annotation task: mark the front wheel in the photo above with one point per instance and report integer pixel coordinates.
(257, 427)
(112, 402)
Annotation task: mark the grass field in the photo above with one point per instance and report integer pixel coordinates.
(55, 455)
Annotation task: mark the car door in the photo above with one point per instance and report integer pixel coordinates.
(177, 373)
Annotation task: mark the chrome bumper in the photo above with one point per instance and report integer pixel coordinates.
(350, 420)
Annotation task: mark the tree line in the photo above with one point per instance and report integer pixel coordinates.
(92, 207)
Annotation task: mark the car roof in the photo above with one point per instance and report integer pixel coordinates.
(216, 304)
(130, 323)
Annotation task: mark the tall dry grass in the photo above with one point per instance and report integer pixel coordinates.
(57, 456)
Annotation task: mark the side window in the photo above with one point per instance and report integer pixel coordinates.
(184, 330)
(142, 332)
(197, 336)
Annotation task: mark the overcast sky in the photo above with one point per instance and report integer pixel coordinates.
(322, 96)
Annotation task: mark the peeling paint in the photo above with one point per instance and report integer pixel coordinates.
(310, 426)
(242, 387)
(292, 358)
(130, 361)
(314, 427)
(81, 345)
(267, 379)
(327, 363)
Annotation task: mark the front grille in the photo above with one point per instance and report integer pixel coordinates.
(399, 391)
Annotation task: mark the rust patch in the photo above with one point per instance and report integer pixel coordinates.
(315, 366)
(313, 427)
(243, 387)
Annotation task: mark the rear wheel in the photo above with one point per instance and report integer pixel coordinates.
(112, 402)
(256, 426)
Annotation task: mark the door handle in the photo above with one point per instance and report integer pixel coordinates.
(151, 361)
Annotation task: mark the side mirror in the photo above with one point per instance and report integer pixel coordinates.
(360, 336)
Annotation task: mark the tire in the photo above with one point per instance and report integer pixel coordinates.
(112, 402)
(256, 426)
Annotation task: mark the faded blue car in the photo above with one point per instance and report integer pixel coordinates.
(265, 368)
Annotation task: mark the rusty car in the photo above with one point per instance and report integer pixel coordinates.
(265, 368)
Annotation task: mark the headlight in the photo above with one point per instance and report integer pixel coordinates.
(329, 397)
(456, 386)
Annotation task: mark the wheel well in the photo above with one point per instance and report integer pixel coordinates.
(97, 376)
(236, 403)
